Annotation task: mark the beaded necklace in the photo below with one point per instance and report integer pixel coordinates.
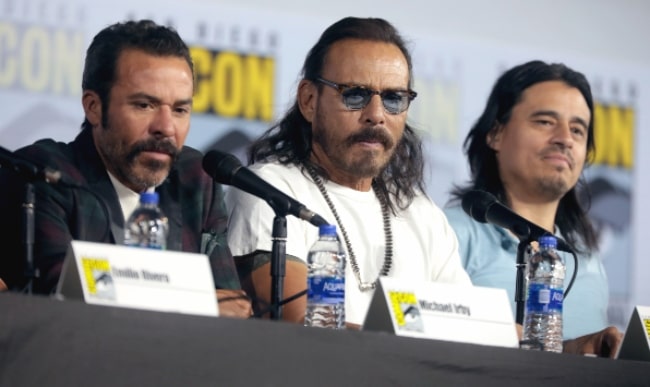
(388, 254)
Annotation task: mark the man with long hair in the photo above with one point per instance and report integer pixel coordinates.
(528, 149)
(344, 149)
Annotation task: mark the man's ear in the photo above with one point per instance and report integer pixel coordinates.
(493, 138)
(92, 105)
(307, 95)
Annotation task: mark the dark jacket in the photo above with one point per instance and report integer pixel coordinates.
(191, 200)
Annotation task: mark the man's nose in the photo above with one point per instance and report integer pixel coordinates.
(374, 113)
(163, 123)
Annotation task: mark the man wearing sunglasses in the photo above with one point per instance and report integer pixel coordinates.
(345, 151)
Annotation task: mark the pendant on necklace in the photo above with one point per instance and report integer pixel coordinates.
(366, 286)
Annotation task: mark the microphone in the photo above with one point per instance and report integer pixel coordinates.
(28, 169)
(226, 169)
(484, 207)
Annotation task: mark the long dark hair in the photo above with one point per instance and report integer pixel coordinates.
(570, 217)
(290, 140)
(103, 53)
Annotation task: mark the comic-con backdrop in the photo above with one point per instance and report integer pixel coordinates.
(247, 65)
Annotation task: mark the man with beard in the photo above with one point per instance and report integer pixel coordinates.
(528, 149)
(345, 151)
(137, 97)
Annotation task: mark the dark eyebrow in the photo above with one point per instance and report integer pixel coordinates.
(143, 96)
(387, 89)
(555, 115)
(157, 100)
(580, 121)
(366, 86)
(187, 101)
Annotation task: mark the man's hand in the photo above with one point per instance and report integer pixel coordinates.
(351, 326)
(3, 286)
(234, 303)
(520, 331)
(604, 343)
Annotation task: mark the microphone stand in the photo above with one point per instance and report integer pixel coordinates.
(523, 233)
(520, 288)
(30, 172)
(28, 236)
(278, 264)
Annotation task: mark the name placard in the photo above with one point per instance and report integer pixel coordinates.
(440, 311)
(133, 277)
(636, 342)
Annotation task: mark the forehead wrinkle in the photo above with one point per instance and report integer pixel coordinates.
(368, 63)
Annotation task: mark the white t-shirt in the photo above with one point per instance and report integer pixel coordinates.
(424, 245)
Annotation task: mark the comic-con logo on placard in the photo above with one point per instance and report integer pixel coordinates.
(406, 310)
(98, 276)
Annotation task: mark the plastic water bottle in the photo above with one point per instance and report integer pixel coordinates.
(326, 281)
(543, 316)
(147, 226)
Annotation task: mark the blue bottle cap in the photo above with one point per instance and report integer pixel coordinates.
(327, 229)
(547, 241)
(149, 198)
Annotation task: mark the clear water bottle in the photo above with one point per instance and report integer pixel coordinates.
(147, 226)
(326, 281)
(543, 316)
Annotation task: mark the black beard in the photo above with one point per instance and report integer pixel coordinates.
(553, 188)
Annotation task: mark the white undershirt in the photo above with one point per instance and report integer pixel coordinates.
(128, 198)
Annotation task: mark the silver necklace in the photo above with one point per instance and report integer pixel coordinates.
(388, 233)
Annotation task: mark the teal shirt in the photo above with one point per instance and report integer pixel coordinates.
(489, 253)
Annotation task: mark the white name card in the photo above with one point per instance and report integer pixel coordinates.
(636, 342)
(132, 277)
(440, 311)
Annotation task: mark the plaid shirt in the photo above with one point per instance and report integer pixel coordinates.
(190, 199)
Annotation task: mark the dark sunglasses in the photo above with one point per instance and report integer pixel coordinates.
(358, 97)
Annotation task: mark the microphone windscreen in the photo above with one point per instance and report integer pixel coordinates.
(476, 203)
(221, 166)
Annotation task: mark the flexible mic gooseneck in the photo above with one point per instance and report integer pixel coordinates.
(28, 169)
(227, 169)
(484, 207)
